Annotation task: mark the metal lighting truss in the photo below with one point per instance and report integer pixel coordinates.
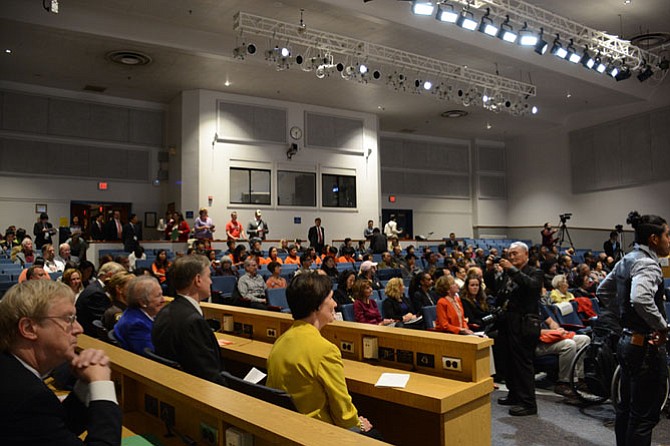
(365, 52)
(520, 12)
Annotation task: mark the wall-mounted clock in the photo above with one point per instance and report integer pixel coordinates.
(295, 132)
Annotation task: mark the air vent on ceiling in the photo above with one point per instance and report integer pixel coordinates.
(128, 57)
(407, 130)
(95, 88)
(454, 114)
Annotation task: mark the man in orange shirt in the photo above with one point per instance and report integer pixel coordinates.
(234, 229)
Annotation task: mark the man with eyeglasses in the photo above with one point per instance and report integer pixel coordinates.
(38, 332)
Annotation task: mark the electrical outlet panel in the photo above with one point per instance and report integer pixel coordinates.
(387, 353)
(272, 333)
(370, 347)
(209, 434)
(405, 356)
(347, 347)
(167, 414)
(453, 364)
(425, 360)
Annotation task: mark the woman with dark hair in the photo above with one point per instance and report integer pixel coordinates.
(87, 269)
(275, 280)
(329, 267)
(177, 228)
(239, 255)
(450, 314)
(344, 293)
(365, 307)
(160, 266)
(306, 365)
(272, 257)
(473, 299)
(634, 290)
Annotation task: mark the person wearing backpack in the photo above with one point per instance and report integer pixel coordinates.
(634, 291)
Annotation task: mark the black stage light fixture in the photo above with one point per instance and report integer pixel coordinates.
(587, 61)
(487, 26)
(466, 20)
(527, 37)
(506, 32)
(541, 46)
(557, 49)
(623, 74)
(645, 74)
(423, 8)
(446, 13)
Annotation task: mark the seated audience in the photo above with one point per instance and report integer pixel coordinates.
(38, 331)
(344, 294)
(305, 263)
(252, 286)
(328, 266)
(365, 308)
(116, 290)
(347, 255)
(72, 278)
(397, 306)
(272, 257)
(93, 301)
(65, 256)
(560, 292)
(292, 258)
(161, 266)
(369, 271)
(51, 264)
(35, 272)
(473, 299)
(133, 257)
(450, 314)
(227, 268)
(275, 280)
(307, 366)
(145, 299)
(25, 254)
(421, 292)
(180, 331)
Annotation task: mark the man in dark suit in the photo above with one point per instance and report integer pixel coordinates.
(317, 236)
(612, 247)
(132, 234)
(38, 332)
(114, 228)
(93, 301)
(180, 331)
(98, 227)
(43, 230)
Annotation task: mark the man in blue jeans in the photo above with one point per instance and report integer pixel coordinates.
(634, 291)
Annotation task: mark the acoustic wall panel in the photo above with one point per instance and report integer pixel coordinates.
(251, 123)
(146, 127)
(25, 113)
(69, 118)
(622, 153)
(491, 159)
(111, 124)
(492, 186)
(333, 132)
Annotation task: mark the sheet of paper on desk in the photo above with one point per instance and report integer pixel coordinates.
(255, 376)
(393, 380)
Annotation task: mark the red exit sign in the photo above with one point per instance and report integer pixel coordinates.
(102, 185)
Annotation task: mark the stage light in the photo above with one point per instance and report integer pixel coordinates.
(527, 37)
(645, 74)
(572, 53)
(486, 25)
(423, 8)
(427, 85)
(467, 20)
(243, 50)
(587, 61)
(534, 110)
(612, 70)
(362, 68)
(558, 50)
(506, 32)
(541, 46)
(624, 73)
(599, 66)
(446, 13)
(664, 64)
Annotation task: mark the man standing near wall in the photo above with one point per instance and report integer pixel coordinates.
(317, 236)
(257, 227)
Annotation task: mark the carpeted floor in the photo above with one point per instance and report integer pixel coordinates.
(561, 424)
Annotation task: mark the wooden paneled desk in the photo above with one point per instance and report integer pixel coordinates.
(197, 401)
(430, 411)
(415, 350)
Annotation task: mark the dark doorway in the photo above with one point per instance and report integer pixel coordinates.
(87, 211)
(405, 219)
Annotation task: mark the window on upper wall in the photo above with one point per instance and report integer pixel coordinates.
(338, 191)
(249, 186)
(296, 188)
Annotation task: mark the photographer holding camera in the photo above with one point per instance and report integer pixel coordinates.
(519, 329)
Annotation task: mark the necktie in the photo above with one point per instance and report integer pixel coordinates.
(320, 238)
(118, 228)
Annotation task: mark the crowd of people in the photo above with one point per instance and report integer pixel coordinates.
(474, 292)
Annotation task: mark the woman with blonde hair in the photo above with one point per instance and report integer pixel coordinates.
(72, 278)
(397, 306)
(116, 288)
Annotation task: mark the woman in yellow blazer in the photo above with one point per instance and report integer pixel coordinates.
(307, 366)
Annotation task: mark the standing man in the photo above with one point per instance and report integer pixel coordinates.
(132, 234)
(257, 228)
(114, 228)
(317, 236)
(43, 231)
(612, 246)
(633, 291)
(548, 232)
(38, 332)
(98, 227)
(180, 331)
(519, 330)
(234, 229)
(391, 231)
(367, 232)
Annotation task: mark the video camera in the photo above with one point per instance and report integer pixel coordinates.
(565, 217)
(619, 228)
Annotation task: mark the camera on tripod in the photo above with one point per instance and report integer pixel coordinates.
(619, 228)
(565, 217)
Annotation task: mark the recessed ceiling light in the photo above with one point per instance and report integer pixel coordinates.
(568, 95)
(128, 57)
(8, 51)
(454, 114)
(227, 83)
(488, 126)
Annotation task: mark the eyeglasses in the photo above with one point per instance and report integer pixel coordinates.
(70, 319)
